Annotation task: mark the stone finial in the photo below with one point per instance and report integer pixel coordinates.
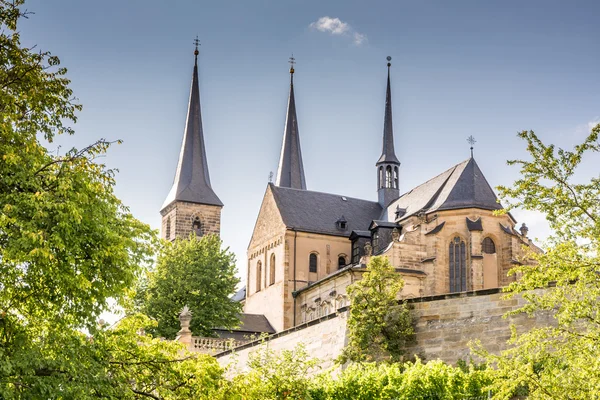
(185, 317)
(395, 234)
(524, 230)
(368, 249)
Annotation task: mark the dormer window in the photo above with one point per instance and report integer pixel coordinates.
(341, 223)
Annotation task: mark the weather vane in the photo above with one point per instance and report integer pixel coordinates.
(389, 59)
(292, 62)
(471, 141)
(197, 43)
(271, 177)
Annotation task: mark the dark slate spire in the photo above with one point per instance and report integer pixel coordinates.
(291, 171)
(192, 180)
(387, 153)
(388, 164)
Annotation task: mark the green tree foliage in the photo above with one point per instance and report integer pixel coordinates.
(378, 327)
(560, 361)
(195, 272)
(68, 246)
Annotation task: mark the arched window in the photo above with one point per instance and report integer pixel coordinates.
(488, 246)
(272, 270)
(258, 275)
(197, 226)
(380, 182)
(388, 176)
(312, 263)
(341, 261)
(168, 229)
(457, 257)
(395, 177)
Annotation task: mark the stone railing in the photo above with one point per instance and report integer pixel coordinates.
(209, 345)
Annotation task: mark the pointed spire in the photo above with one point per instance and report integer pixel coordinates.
(387, 154)
(291, 171)
(192, 180)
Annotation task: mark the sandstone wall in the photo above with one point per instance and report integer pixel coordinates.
(445, 325)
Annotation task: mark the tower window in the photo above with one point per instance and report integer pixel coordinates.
(168, 229)
(312, 263)
(272, 270)
(380, 183)
(197, 226)
(341, 261)
(488, 246)
(457, 257)
(388, 176)
(258, 275)
(395, 177)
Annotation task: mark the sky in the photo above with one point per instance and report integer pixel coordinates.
(483, 68)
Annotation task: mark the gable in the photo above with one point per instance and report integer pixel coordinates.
(268, 222)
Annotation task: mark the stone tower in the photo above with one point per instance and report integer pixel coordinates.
(192, 205)
(291, 170)
(388, 164)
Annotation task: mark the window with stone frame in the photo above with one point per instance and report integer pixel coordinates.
(488, 246)
(197, 226)
(313, 262)
(258, 275)
(272, 270)
(457, 259)
(341, 261)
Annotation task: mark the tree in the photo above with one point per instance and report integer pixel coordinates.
(378, 327)
(195, 272)
(67, 246)
(559, 361)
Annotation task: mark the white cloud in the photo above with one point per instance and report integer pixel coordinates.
(336, 26)
(593, 123)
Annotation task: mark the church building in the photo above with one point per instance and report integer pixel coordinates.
(307, 247)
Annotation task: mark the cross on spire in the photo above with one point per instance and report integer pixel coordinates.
(292, 61)
(471, 140)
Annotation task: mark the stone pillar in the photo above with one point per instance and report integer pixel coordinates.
(184, 335)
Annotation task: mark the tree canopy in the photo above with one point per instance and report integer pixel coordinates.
(559, 361)
(195, 272)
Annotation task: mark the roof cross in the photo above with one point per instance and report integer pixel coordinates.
(471, 140)
(292, 62)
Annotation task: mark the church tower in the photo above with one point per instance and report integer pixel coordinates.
(192, 205)
(291, 171)
(388, 164)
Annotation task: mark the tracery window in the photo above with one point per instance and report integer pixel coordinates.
(457, 257)
(488, 246)
(312, 263)
(272, 270)
(197, 226)
(258, 275)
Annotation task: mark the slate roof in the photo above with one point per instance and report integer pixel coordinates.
(317, 212)
(240, 295)
(462, 186)
(192, 180)
(291, 170)
(387, 152)
(254, 323)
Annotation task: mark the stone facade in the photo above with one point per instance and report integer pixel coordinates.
(180, 218)
(445, 325)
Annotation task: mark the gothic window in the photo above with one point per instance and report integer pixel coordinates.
(388, 176)
(341, 261)
(272, 270)
(395, 177)
(312, 262)
(355, 252)
(197, 226)
(168, 229)
(380, 177)
(258, 275)
(488, 246)
(457, 256)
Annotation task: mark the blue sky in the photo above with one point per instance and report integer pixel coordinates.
(460, 68)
